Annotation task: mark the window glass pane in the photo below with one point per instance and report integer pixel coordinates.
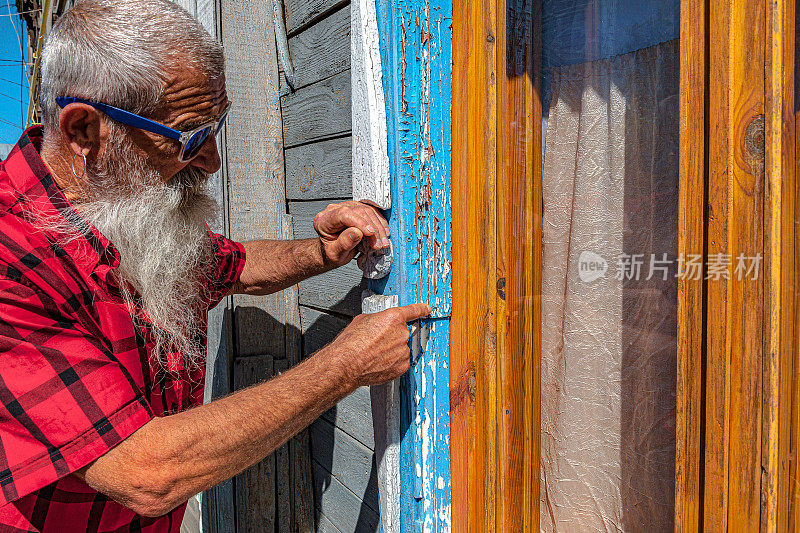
(610, 264)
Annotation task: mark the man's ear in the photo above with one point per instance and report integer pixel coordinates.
(82, 128)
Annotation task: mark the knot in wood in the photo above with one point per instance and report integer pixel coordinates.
(501, 288)
(471, 385)
(754, 138)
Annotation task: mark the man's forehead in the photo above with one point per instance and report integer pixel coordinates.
(191, 96)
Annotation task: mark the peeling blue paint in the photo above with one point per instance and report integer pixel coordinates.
(415, 37)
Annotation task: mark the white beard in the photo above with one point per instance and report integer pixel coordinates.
(160, 233)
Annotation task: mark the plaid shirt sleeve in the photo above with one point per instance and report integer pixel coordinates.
(227, 268)
(65, 399)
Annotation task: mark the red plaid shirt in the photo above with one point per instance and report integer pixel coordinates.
(75, 377)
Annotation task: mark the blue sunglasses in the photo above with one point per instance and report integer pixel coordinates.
(191, 141)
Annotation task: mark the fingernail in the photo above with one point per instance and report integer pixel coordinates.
(369, 229)
(353, 236)
(385, 243)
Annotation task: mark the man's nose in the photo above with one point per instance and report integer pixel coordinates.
(207, 159)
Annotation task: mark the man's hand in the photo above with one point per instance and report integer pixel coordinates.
(342, 226)
(375, 346)
(171, 458)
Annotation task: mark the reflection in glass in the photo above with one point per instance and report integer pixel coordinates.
(609, 286)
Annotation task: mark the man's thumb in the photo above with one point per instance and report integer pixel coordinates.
(346, 241)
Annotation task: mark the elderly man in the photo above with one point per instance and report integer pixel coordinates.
(107, 272)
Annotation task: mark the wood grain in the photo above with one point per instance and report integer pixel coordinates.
(217, 503)
(319, 329)
(300, 14)
(794, 447)
(338, 290)
(370, 163)
(473, 392)
(744, 466)
(301, 483)
(320, 51)
(353, 415)
(343, 508)
(519, 237)
(300, 478)
(496, 273)
(745, 300)
(326, 526)
(304, 213)
(780, 314)
(206, 14)
(283, 486)
(319, 170)
(691, 239)
(715, 493)
(349, 461)
(255, 487)
(318, 111)
(254, 158)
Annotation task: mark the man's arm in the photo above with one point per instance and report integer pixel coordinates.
(170, 459)
(271, 266)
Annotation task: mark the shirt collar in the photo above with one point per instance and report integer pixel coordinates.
(37, 191)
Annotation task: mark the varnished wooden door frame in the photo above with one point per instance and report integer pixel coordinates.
(737, 421)
(496, 232)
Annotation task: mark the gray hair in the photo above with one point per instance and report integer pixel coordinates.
(118, 52)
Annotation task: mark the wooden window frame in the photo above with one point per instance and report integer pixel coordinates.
(738, 393)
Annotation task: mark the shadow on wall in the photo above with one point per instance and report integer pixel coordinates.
(334, 502)
(349, 509)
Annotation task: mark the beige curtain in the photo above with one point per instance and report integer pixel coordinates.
(610, 185)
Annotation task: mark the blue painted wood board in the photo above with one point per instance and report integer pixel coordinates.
(415, 39)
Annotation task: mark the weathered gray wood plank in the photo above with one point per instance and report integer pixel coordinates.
(344, 509)
(191, 517)
(207, 15)
(319, 329)
(348, 460)
(303, 214)
(283, 495)
(318, 111)
(353, 415)
(254, 160)
(294, 349)
(302, 482)
(300, 14)
(319, 170)
(188, 5)
(338, 290)
(256, 486)
(320, 51)
(300, 477)
(217, 503)
(326, 526)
